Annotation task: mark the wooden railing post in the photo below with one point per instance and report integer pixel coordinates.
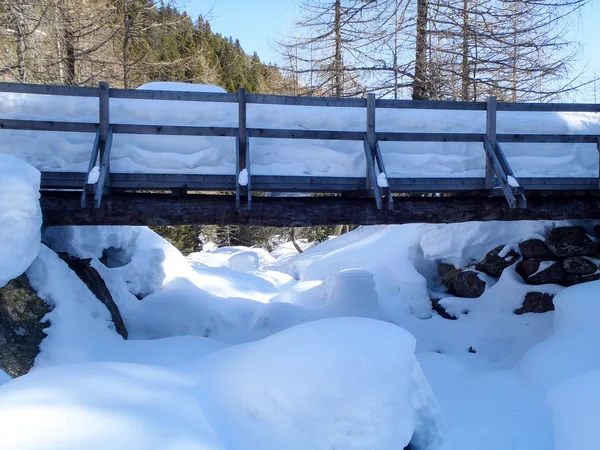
(490, 131)
(241, 158)
(370, 135)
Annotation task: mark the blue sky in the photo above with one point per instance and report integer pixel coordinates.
(258, 23)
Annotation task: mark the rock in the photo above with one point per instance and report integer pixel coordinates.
(579, 265)
(435, 304)
(493, 264)
(597, 230)
(21, 329)
(535, 249)
(536, 302)
(565, 242)
(461, 283)
(549, 272)
(572, 278)
(97, 286)
(528, 267)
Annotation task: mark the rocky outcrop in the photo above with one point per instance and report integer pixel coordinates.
(461, 283)
(536, 302)
(566, 257)
(565, 242)
(495, 261)
(21, 329)
(97, 286)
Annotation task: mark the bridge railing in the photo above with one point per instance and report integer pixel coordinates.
(499, 178)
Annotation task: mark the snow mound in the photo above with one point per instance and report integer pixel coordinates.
(95, 406)
(572, 349)
(294, 390)
(182, 87)
(575, 412)
(244, 262)
(20, 217)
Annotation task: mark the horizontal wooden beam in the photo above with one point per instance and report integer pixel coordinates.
(429, 104)
(286, 183)
(63, 208)
(287, 100)
(46, 89)
(185, 96)
(549, 107)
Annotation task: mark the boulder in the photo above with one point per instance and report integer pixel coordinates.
(528, 267)
(579, 265)
(536, 302)
(494, 264)
(535, 249)
(572, 278)
(21, 329)
(461, 283)
(549, 272)
(565, 242)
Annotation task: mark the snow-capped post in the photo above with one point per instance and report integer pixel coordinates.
(490, 131)
(241, 151)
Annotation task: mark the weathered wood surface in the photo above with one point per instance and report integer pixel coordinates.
(62, 208)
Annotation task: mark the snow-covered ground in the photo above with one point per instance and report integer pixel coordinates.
(212, 155)
(238, 349)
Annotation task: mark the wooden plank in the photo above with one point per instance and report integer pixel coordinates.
(62, 208)
(425, 185)
(184, 96)
(429, 137)
(45, 89)
(372, 175)
(501, 176)
(91, 165)
(306, 101)
(388, 190)
(598, 148)
(104, 115)
(429, 104)
(370, 142)
(174, 130)
(46, 125)
(490, 131)
(306, 134)
(548, 138)
(549, 107)
(104, 177)
(241, 147)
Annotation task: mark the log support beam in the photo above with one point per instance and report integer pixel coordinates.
(63, 208)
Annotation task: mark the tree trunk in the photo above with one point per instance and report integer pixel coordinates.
(293, 233)
(420, 81)
(20, 31)
(465, 53)
(337, 61)
(126, 42)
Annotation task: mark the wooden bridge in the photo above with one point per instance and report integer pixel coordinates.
(147, 199)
